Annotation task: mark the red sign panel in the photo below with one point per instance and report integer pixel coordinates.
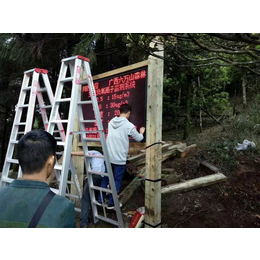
(112, 92)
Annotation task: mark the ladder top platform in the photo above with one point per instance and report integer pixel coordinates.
(76, 57)
(38, 70)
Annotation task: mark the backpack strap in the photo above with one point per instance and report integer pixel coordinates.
(40, 210)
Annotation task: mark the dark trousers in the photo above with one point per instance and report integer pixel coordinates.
(86, 209)
(118, 171)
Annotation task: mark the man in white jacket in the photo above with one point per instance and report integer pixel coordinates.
(119, 130)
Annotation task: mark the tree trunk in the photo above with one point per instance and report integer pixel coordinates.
(188, 110)
(4, 138)
(200, 108)
(244, 88)
(179, 97)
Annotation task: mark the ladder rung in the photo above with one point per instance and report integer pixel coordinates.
(100, 189)
(70, 58)
(58, 138)
(61, 143)
(12, 161)
(68, 182)
(28, 88)
(72, 196)
(95, 156)
(85, 132)
(22, 123)
(6, 179)
(56, 191)
(98, 173)
(85, 102)
(58, 131)
(59, 153)
(14, 142)
(63, 100)
(42, 90)
(92, 139)
(66, 79)
(20, 133)
(49, 106)
(88, 121)
(25, 105)
(107, 220)
(59, 121)
(58, 167)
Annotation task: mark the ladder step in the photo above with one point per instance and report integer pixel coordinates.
(88, 121)
(28, 88)
(49, 106)
(92, 139)
(98, 173)
(59, 153)
(56, 191)
(42, 90)
(22, 123)
(100, 189)
(12, 161)
(14, 142)
(61, 143)
(70, 58)
(6, 179)
(66, 79)
(25, 105)
(68, 182)
(63, 100)
(85, 132)
(107, 220)
(95, 156)
(58, 138)
(59, 121)
(72, 196)
(58, 167)
(85, 102)
(20, 133)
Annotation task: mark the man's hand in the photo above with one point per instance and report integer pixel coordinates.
(142, 129)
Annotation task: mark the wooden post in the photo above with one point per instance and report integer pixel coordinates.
(154, 138)
(78, 160)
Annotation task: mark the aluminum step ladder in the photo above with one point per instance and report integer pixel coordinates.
(73, 67)
(32, 92)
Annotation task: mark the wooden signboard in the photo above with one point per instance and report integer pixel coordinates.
(114, 88)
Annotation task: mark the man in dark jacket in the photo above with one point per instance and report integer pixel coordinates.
(20, 200)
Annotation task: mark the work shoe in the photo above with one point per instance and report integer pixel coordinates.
(111, 206)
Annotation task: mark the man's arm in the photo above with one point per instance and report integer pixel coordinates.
(137, 136)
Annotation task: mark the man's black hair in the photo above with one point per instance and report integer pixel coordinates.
(34, 149)
(125, 108)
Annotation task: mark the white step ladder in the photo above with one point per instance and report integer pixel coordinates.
(73, 67)
(31, 92)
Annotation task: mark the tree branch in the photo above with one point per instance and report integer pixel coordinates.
(234, 37)
(219, 50)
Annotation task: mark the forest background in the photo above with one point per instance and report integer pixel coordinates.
(209, 79)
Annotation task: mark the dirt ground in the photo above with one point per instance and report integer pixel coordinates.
(234, 203)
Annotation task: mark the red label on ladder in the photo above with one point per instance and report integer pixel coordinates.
(78, 75)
